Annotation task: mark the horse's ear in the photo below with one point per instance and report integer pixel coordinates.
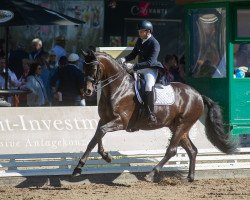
(84, 53)
(91, 54)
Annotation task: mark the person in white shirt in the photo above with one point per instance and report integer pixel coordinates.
(38, 95)
(13, 82)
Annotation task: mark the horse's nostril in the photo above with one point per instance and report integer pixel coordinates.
(88, 91)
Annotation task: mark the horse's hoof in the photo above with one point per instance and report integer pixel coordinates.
(108, 158)
(150, 177)
(76, 172)
(190, 179)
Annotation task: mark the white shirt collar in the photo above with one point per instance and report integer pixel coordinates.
(146, 38)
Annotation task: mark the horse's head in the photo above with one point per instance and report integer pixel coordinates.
(92, 72)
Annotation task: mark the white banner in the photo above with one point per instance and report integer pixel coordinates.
(69, 129)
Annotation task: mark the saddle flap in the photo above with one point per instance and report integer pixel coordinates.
(163, 95)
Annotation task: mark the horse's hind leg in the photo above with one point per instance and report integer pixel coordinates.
(191, 150)
(171, 151)
(105, 155)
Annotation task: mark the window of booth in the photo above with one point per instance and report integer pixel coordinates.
(242, 60)
(242, 42)
(208, 43)
(243, 23)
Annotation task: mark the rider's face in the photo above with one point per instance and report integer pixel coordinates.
(143, 33)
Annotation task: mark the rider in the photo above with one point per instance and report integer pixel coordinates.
(147, 49)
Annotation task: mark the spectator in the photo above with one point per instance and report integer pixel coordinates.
(48, 70)
(23, 81)
(26, 69)
(63, 61)
(15, 59)
(70, 82)
(13, 82)
(59, 47)
(240, 55)
(38, 96)
(52, 59)
(37, 49)
(175, 69)
(169, 63)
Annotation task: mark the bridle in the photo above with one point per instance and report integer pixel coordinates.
(97, 76)
(95, 80)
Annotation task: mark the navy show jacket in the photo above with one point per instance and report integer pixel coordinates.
(147, 53)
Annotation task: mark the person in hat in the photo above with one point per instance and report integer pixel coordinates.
(73, 58)
(147, 49)
(59, 47)
(71, 82)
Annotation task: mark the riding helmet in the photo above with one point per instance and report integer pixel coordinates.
(145, 25)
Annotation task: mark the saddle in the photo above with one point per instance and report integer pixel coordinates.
(163, 91)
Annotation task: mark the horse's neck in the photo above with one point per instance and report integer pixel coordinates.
(115, 75)
(110, 69)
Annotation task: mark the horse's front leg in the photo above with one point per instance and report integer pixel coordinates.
(113, 125)
(98, 134)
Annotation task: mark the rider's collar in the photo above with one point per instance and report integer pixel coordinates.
(144, 40)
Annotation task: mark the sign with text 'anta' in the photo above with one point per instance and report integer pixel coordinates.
(6, 15)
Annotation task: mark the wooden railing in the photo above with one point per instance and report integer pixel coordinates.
(123, 161)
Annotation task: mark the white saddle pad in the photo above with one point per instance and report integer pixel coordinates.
(164, 95)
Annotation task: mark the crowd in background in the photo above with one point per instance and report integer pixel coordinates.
(174, 68)
(51, 77)
(55, 77)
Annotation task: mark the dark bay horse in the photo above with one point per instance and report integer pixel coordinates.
(118, 104)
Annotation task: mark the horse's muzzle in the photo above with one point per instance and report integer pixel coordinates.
(88, 92)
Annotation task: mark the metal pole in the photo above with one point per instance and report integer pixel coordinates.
(6, 56)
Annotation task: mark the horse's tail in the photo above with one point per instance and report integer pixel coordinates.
(215, 129)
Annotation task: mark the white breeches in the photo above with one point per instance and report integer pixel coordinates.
(150, 76)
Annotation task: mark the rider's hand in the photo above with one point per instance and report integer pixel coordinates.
(129, 67)
(121, 60)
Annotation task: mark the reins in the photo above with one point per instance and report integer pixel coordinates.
(113, 77)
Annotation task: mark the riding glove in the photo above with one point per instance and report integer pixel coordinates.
(121, 60)
(129, 67)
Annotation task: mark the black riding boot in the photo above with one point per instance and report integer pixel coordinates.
(149, 105)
